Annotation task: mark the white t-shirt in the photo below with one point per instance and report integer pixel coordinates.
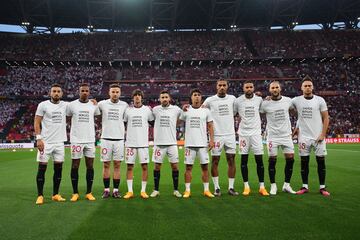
(309, 115)
(222, 111)
(112, 119)
(82, 121)
(165, 124)
(53, 124)
(137, 134)
(277, 117)
(196, 120)
(248, 110)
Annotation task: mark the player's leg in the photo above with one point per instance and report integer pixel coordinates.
(76, 155)
(173, 155)
(89, 178)
(118, 156)
(216, 153)
(116, 179)
(131, 154)
(157, 158)
(106, 150)
(144, 160)
(288, 150)
(244, 153)
(320, 152)
(89, 152)
(58, 155)
(190, 155)
(106, 179)
(204, 161)
(144, 176)
(42, 158)
(230, 149)
(272, 151)
(256, 145)
(304, 152)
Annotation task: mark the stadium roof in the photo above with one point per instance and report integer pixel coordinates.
(123, 15)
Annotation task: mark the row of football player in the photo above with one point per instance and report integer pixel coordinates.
(213, 117)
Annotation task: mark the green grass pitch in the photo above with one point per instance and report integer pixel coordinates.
(284, 216)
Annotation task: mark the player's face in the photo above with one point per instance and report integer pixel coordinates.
(275, 89)
(137, 99)
(307, 87)
(248, 88)
(164, 99)
(222, 87)
(114, 93)
(56, 93)
(84, 92)
(196, 98)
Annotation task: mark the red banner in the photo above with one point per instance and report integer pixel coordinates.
(342, 140)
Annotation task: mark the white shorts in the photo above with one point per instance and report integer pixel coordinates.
(253, 142)
(285, 143)
(160, 152)
(192, 152)
(78, 150)
(306, 144)
(112, 150)
(227, 142)
(132, 153)
(55, 151)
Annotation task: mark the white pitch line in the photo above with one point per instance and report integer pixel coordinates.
(343, 150)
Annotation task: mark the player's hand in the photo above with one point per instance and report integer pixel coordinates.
(185, 107)
(268, 98)
(320, 138)
(40, 145)
(211, 145)
(94, 101)
(295, 132)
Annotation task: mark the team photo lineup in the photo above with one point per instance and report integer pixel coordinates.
(209, 126)
(179, 119)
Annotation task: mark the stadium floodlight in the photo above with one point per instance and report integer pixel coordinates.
(77, 64)
(35, 63)
(231, 62)
(199, 63)
(160, 63)
(181, 63)
(110, 64)
(62, 63)
(24, 62)
(295, 23)
(358, 18)
(191, 63)
(52, 64)
(44, 63)
(141, 63)
(233, 26)
(25, 23)
(131, 63)
(90, 26)
(100, 64)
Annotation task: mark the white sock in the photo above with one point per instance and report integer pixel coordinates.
(206, 186)
(262, 185)
(273, 185)
(286, 184)
(306, 186)
(129, 185)
(231, 183)
(246, 185)
(143, 186)
(216, 182)
(187, 187)
(115, 190)
(107, 189)
(322, 186)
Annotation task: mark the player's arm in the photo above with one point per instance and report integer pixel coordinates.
(325, 120)
(210, 127)
(296, 129)
(37, 128)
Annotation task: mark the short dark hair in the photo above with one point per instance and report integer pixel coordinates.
(137, 92)
(195, 90)
(249, 81)
(307, 78)
(222, 79)
(84, 85)
(114, 85)
(55, 85)
(165, 92)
